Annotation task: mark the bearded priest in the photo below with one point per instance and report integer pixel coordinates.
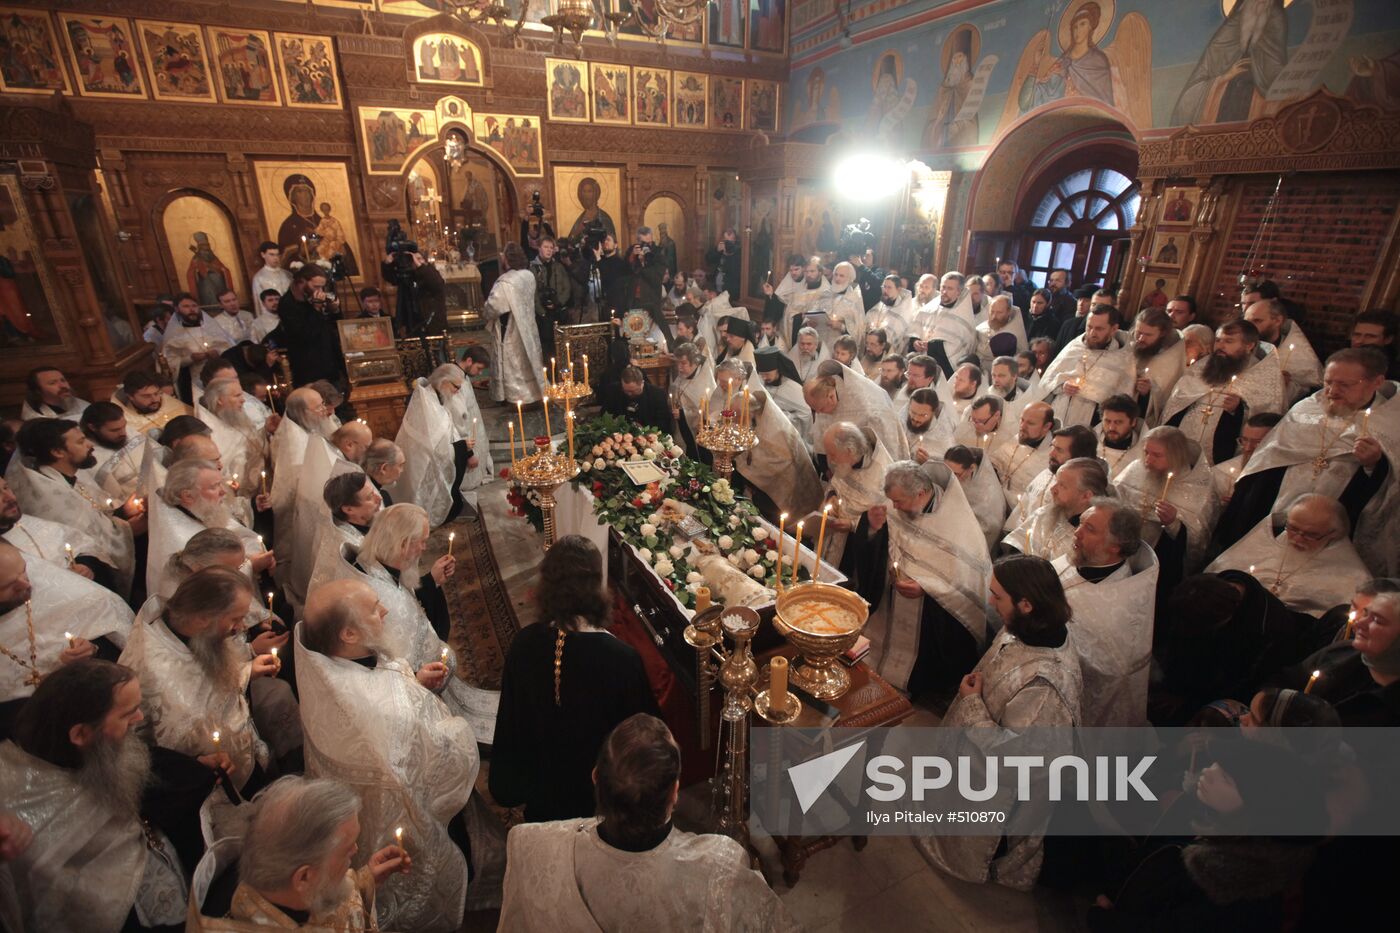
(1343, 441)
(509, 315)
(1093, 367)
(934, 626)
(374, 722)
(191, 500)
(75, 774)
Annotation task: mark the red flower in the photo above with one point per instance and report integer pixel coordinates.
(505, 473)
(669, 582)
(598, 488)
(638, 503)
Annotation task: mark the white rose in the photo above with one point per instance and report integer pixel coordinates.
(649, 455)
(725, 542)
(751, 556)
(736, 559)
(585, 466)
(760, 533)
(757, 572)
(704, 488)
(597, 450)
(692, 586)
(734, 521)
(771, 557)
(676, 450)
(647, 530)
(677, 551)
(694, 577)
(664, 568)
(645, 554)
(599, 464)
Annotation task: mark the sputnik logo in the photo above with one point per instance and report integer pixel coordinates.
(811, 778)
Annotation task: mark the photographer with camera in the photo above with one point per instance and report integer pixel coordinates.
(554, 293)
(309, 312)
(534, 229)
(724, 259)
(633, 279)
(420, 304)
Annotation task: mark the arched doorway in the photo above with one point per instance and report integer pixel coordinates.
(1058, 190)
(459, 198)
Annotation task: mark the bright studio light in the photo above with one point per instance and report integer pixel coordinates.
(869, 177)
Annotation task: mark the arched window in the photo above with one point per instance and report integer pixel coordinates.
(1077, 222)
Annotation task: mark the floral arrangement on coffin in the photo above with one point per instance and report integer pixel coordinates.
(640, 514)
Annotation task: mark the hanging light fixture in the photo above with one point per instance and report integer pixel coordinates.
(496, 11)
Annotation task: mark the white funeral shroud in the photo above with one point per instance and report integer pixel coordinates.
(1018, 464)
(88, 865)
(288, 451)
(118, 475)
(1306, 581)
(1100, 373)
(1046, 533)
(1163, 370)
(181, 343)
(1299, 361)
(1317, 451)
(169, 529)
(1260, 388)
(562, 877)
(1193, 495)
(985, 496)
(45, 493)
(956, 326)
(864, 404)
(41, 538)
(1112, 631)
(1120, 460)
(184, 707)
(425, 437)
(800, 301)
(61, 602)
(945, 552)
(410, 635)
(313, 517)
(412, 764)
(517, 361)
(780, 464)
(847, 317)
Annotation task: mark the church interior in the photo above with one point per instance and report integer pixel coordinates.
(894, 372)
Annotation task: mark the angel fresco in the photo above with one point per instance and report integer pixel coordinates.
(1117, 73)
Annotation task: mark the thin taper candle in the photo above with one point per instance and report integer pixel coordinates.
(796, 552)
(782, 521)
(520, 413)
(821, 541)
(512, 446)
(1312, 680)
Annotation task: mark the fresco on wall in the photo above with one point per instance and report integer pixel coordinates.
(29, 56)
(969, 76)
(818, 220)
(647, 22)
(204, 252)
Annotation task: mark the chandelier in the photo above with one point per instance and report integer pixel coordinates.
(577, 16)
(496, 11)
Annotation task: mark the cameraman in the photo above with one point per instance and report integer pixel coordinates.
(554, 292)
(424, 311)
(645, 281)
(309, 312)
(724, 259)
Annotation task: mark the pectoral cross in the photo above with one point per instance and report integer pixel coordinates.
(1319, 465)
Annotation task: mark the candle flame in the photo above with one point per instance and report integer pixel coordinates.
(215, 736)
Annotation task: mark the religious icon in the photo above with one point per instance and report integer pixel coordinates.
(953, 121)
(727, 23)
(893, 96)
(27, 293)
(243, 67)
(1255, 32)
(585, 195)
(1116, 73)
(761, 105)
(767, 26)
(442, 58)
(392, 137)
(314, 203)
(568, 91)
(1178, 204)
(692, 99)
(516, 137)
(29, 56)
(206, 277)
(1165, 250)
(612, 93)
(307, 66)
(649, 23)
(727, 102)
(821, 103)
(104, 56)
(200, 239)
(652, 97)
(176, 61)
(1158, 291)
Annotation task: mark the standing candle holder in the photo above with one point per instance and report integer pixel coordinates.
(726, 438)
(545, 471)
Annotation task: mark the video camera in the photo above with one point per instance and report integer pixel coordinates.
(399, 248)
(856, 238)
(536, 208)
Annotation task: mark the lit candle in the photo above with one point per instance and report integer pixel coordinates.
(215, 736)
(274, 652)
(554, 369)
(1251, 570)
(398, 836)
(72, 638)
(444, 654)
(262, 546)
(745, 420)
(777, 684)
(782, 521)
(569, 425)
(585, 368)
(796, 552)
(1366, 423)
(451, 536)
(270, 597)
(1351, 624)
(68, 550)
(704, 410)
(264, 482)
(511, 426)
(520, 413)
(821, 541)
(569, 355)
(729, 396)
(1312, 680)
(548, 431)
(1165, 486)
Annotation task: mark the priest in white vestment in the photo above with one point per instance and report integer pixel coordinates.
(780, 466)
(74, 774)
(191, 338)
(1049, 531)
(693, 381)
(1110, 580)
(50, 617)
(1343, 441)
(839, 393)
(847, 315)
(304, 417)
(467, 417)
(807, 352)
(892, 313)
(322, 462)
(1239, 378)
(983, 425)
(242, 444)
(1302, 370)
(509, 314)
(1310, 564)
(1003, 333)
(781, 382)
(147, 408)
(48, 395)
(630, 868)
(1120, 433)
(1159, 355)
(64, 547)
(806, 302)
(954, 333)
(932, 627)
(1028, 679)
(1226, 473)
(1065, 445)
(714, 306)
(426, 436)
(1022, 458)
(929, 423)
(236, 323)
(191, 500)
(858, 461)
(982, 489)
(195, 669)
(1092, 367)
(1173, 490)
(373, 722)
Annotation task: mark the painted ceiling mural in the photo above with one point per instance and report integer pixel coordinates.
(946, 85)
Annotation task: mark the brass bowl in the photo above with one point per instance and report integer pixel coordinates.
(818, 671)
